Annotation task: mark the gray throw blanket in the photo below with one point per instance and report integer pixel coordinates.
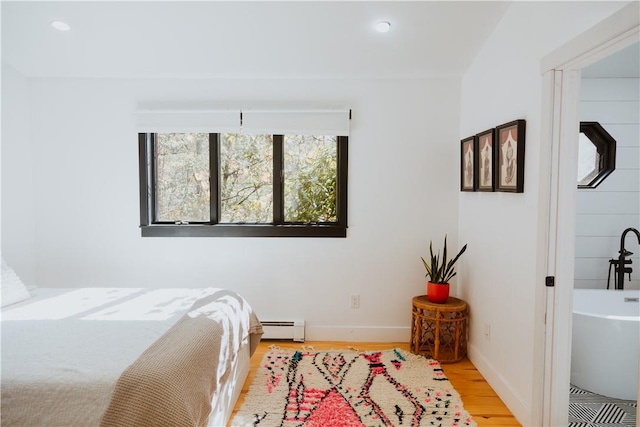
(175, 380)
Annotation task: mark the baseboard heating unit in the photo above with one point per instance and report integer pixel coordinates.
(283, 330)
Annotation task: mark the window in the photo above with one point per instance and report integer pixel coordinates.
(596, 155)
(243, 184)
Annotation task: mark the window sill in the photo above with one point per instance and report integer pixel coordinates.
(242, 230)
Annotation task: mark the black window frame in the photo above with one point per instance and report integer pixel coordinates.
(279, 228)
(605, 146)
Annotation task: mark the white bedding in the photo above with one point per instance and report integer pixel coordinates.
(64, 349)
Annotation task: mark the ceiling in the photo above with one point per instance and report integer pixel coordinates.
(242, 39)
(624, 63)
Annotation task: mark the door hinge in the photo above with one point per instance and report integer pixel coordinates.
(550, 281)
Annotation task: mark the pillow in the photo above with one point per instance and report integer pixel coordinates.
(13, 290)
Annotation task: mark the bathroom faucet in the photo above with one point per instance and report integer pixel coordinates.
(622, 261)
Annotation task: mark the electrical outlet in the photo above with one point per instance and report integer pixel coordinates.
(354, 301)
(487, 331)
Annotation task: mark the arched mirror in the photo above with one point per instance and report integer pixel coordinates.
(596, 155)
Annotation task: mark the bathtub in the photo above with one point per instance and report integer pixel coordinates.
(605, 342)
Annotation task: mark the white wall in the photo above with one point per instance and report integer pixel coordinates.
(18, 184)
(604, 212)
(502, 278)
(403, 182)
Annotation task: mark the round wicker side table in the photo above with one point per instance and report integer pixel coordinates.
(439, 331)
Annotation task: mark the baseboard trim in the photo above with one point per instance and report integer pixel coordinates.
(511, 399)
(358, 333)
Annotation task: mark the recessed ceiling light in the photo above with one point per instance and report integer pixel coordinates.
(383, 26)
(60, 26)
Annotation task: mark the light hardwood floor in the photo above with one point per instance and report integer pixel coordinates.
(478, 397)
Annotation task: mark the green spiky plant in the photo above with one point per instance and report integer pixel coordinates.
(439, 270)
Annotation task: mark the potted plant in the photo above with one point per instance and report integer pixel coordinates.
(439, 272)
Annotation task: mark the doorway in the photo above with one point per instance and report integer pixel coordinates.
(607, 203)
(561, 94)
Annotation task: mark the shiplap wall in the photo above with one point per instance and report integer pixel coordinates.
(605, 212)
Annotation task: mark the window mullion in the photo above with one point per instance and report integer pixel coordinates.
(214, 177)
(278, 178)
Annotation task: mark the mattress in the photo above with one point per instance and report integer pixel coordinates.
(63, 350)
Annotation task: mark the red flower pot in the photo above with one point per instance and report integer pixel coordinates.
(437, 292)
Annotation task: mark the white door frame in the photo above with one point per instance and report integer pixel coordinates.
(559, 133)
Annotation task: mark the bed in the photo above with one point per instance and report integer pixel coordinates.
(124, 356)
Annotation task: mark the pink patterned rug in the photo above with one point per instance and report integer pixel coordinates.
(348, 389)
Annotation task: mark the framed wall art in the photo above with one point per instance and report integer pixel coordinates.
(485, 159)
(509, 158)
(468, 164)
